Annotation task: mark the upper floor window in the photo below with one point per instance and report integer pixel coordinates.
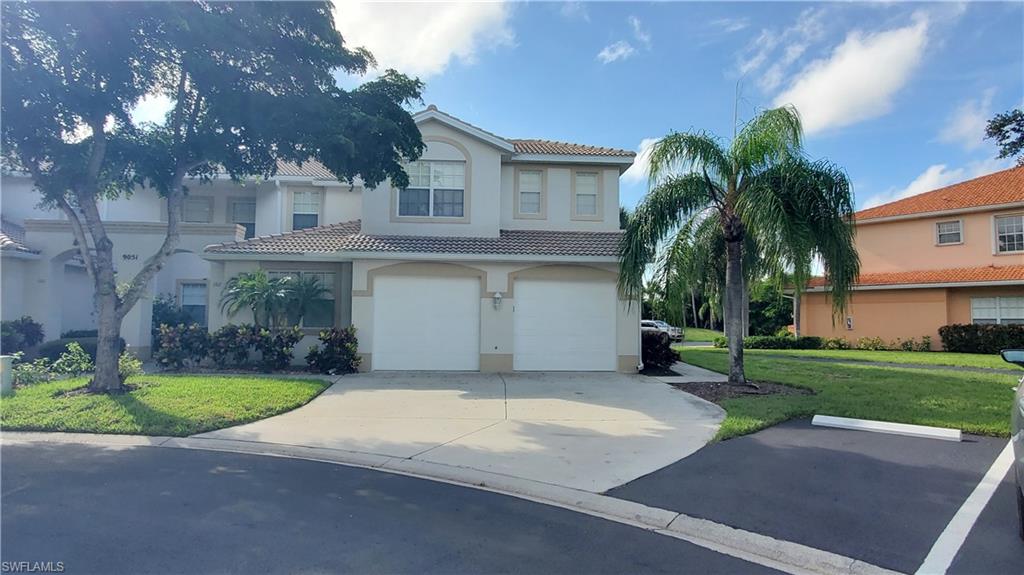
(1001, 310)
(305, 209)
(197, 209)
(585, 202)
(243, 213)
(531, 184)
(947, 233)
(1010, 233)
(319, 311)
(436, 189)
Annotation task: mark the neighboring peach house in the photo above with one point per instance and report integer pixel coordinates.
(950, 256)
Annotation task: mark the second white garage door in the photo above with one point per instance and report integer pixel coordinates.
(426, 323)
(564, 326)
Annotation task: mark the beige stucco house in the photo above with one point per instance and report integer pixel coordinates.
(952, 255)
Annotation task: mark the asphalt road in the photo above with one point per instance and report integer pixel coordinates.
(153, 510)
(879, 498)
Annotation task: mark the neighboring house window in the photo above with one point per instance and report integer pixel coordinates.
(530, 183)
(321, 311)
(997, 310)
(197, 210)
(586, 193)
(243, 213)
(305, 209)
(193, 301)
(948, 233)
(1010, 233)
(436, 189)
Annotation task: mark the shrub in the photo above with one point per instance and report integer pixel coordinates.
(657, 349)
(926, 343)
(981, 338)
(781, 342)
(872, 344)
(182, 345)
(30, 372)
(77, 333)
(230, 345)
(128, 365)
(53, 349)
(19, 334)
(835, 343)
(73, 362)
(276, 347)
(337, 352)
(720, 341)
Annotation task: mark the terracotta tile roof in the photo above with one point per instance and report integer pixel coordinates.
(944, 276)
(12, 238)
(310, 169)
(551, 147)
(1003, 187)
(346, 237)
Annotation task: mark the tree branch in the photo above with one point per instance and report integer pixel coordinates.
(79, 232)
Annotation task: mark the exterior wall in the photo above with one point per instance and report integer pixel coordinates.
(896, 313)
(904, 245)
(482, 197)
(557, 197)
(12, 287)
(338, 204)
(78, 291)
(496, 324)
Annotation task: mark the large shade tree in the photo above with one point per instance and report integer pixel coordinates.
(249, 83)
(756, 201)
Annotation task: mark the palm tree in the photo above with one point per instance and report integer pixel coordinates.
(266, 297)
(767, 201)
(304, 294)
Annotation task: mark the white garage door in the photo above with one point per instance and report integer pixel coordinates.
(426, 323)
(564, 326)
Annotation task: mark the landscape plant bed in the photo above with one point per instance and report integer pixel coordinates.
(175, 405)
(716, 392)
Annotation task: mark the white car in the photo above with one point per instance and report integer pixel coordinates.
(674, 333)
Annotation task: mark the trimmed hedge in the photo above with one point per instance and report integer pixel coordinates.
(774, 342)
(981, 338)
(53, 349)
(657, 349)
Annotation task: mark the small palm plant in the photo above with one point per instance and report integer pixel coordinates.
(304, 295)
(761, 202)
(266, 297)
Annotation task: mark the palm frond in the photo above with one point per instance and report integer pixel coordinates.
(772, 136)
(679, 153)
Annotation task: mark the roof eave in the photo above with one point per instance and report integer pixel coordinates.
(457, 124)
(344, 256)
(875, 287)
(622, 162)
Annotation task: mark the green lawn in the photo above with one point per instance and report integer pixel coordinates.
(922, 358)
(176, 405)
(701, 334)
(974, 402)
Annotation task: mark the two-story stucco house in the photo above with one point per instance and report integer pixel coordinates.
(500, 255)
(952, 255)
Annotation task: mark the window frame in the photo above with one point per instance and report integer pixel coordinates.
(995, 233)
(960, 233)
(396, 214)
(229, 216)
(319, 207)
(208, 200)
(517, 212)
(334, 289)
(180, 296)
(999, 317)
(599, 196)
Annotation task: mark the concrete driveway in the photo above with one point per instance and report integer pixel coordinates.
(589, 431)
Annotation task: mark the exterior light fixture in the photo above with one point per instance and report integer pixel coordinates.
(497, 300)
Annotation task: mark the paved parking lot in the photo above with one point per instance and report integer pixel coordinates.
(883, 499)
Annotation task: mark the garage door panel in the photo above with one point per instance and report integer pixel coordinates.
(567, 326)
(426, 323)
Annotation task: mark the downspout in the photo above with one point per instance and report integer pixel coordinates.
(639, 340)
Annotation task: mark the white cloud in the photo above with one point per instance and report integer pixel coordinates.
(966, 126)
(421, 39)
(730, 25)
(642, 35)
(638, 171)
(782, 48)
(152, 108)
(618, 51)
(575, 11)
(938, 176)
(859, 79)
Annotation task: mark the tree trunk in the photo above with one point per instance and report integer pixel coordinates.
(108, 326)
(796, 312)
(693, 306)
(734, 309)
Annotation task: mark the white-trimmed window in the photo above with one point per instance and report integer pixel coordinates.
(320, 312)
(243, 213)
(193, 301)
(997, 310)
(436, 189)
(198, 209)
(1009, 233)
(306, 209)
(530, 187)
(948, 233)
(586, 193)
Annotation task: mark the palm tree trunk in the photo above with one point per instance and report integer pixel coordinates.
(734, 310)
(796, 312)
(693, 306)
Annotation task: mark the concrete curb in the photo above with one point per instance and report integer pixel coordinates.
(909, 430)
(753, 547)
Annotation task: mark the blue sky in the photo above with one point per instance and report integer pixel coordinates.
(896, 93)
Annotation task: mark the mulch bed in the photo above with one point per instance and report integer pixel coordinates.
(655, 371)
(719, 392)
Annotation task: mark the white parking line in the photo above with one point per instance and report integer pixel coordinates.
(953, 536)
